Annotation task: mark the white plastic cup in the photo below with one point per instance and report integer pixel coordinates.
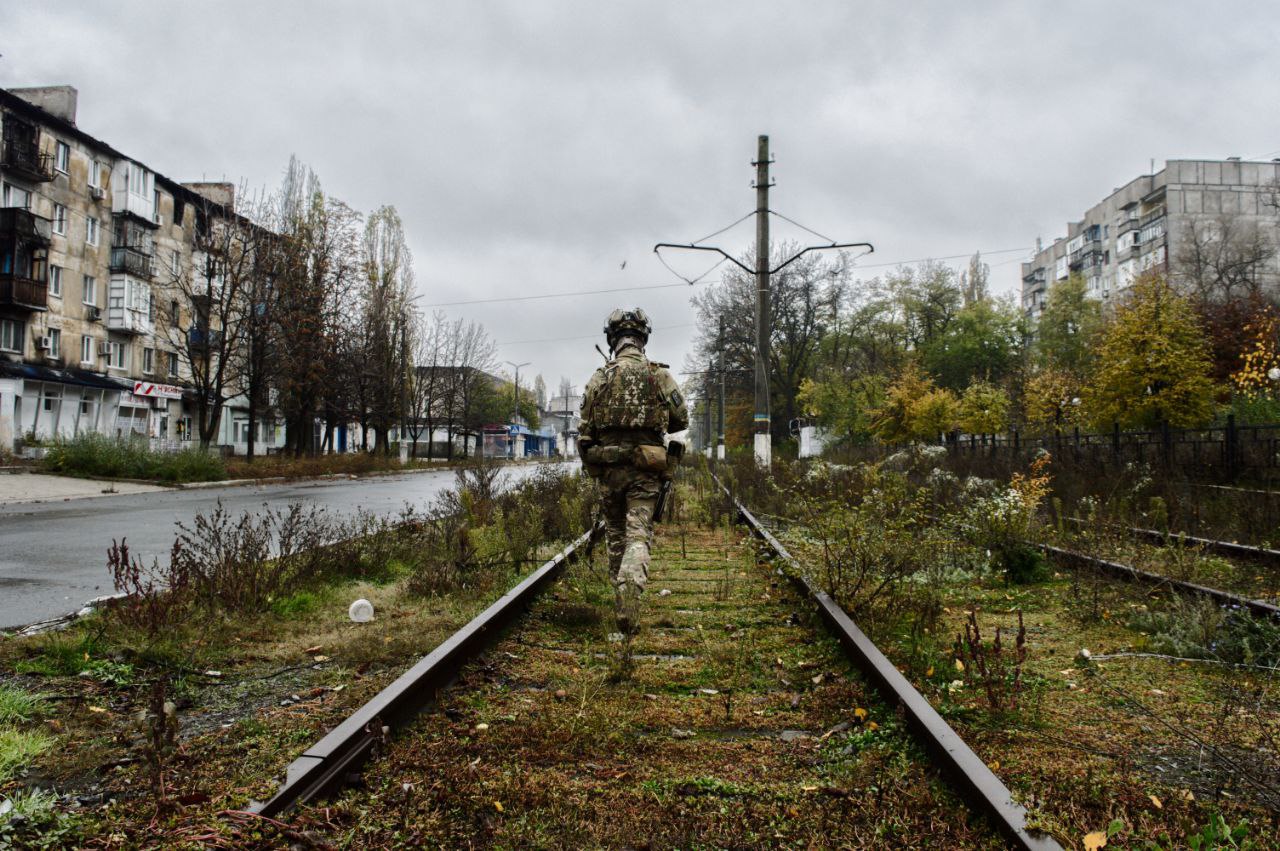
(361, 611)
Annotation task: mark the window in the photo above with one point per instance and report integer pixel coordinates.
(173, 364)
(86, 349)
(62, 157)
(95, 174)
(60, 219)
(91, 230)
(179, 211)
(55, 343)
(90, 290)
(118, 358)
(148, 360)
(15, 196)
(155, 207)
(11, 331)
(174, 316)
(175, 262)
(55, 281)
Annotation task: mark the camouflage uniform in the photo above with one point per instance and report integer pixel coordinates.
(628, 404)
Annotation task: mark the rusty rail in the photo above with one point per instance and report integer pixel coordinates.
(969, 775)
(1245, 552)
(324, 767)
(1124, 571)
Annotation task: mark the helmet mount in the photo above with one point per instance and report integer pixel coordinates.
(627, 323)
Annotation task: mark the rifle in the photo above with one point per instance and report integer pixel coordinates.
(675, 450)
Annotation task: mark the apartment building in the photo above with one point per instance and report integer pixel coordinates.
(1147, 223)
(92, 243)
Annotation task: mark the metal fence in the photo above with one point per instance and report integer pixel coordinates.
(1226, 452)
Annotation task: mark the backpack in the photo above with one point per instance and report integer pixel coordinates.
(628, 398)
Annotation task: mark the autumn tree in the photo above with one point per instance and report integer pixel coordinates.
(915, 409)
(1065, 332)
(1153, 362)
(984, 409)
(386, 318)
(1051, 398)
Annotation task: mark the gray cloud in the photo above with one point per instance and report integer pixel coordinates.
(534, 147)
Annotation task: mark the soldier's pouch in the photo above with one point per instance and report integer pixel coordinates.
(651, 459)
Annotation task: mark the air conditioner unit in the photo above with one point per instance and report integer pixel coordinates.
(44, 344)
(97, 193)
(92, 313)
(104, 348)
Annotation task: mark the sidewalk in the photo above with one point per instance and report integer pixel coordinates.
(38, 487)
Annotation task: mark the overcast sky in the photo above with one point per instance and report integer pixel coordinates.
(533, 147)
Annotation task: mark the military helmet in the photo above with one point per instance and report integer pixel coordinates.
(620, 322)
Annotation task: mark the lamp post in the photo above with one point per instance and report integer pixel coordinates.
(515, 406)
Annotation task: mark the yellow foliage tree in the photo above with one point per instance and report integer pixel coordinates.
(1252, 379)
(1153, 364)
(984, 409)
(914, 409)
(1051, 398)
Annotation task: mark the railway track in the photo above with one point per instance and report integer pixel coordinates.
(734, 718)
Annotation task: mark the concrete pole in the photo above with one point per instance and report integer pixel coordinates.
(763, 447)
(720, 436)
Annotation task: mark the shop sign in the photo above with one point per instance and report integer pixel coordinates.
(156, 391)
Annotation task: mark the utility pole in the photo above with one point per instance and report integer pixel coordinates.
(515, 407)
(720, 441)
(763, 445)
(762, 273)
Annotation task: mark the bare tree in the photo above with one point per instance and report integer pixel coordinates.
(474, 356)
(318, 266)
(214, 293)
(1224, 259)
(428, 379)
(388, 267)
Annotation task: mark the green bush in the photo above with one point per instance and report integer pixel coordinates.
(93, 454)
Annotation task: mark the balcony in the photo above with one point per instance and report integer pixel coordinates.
(24, 159)
(1131, 223)
(200, 339)
(24, 225)
(132, 261)
(1085, 255)
(126, 320)
(24, 247)
(23, 293)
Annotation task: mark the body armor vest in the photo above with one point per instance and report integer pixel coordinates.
(628, 398)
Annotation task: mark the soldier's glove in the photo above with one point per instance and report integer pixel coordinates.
(584, 444)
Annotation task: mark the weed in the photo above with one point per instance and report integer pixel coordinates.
(995, 670)
(62, 655)
(17, 705)
(296, 604)
(18, 748)
(33, 820)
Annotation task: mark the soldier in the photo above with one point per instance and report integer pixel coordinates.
(628, 406)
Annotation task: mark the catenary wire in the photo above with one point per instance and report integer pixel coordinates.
(802, 227)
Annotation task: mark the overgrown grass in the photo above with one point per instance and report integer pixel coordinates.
(18, 748)
(18, 705)
(93, 454)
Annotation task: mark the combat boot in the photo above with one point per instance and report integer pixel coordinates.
(627, 598)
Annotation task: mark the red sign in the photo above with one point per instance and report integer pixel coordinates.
(156, 391)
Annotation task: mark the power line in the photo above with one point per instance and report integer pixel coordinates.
(643, 287)
(587, 336)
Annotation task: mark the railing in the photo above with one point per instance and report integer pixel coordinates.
(25, 158)
(132, 261)
(1131, 223)
(1226, 451)
(17, 291)
(15, 221)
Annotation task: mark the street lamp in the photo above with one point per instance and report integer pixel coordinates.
(515, 409)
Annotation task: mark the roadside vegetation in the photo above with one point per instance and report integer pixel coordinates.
(96, 455)
(1112, 709)
(191, 695)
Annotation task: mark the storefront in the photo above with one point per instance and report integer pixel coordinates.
(42, 403)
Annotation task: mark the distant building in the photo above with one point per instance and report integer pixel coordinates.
(1138, 226)
(564, 415)
(91, 329)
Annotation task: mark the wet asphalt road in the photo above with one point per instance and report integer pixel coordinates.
(53, 555)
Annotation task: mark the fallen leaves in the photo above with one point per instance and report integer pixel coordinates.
(1094, 841)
